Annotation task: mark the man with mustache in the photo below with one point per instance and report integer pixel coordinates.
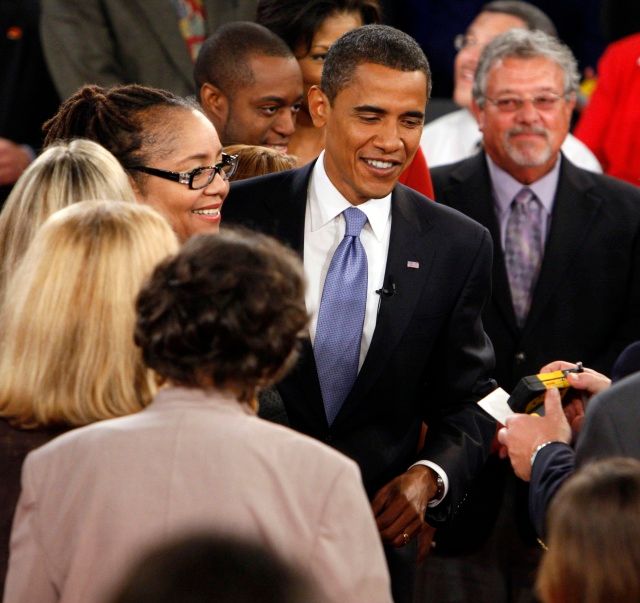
(566, 283)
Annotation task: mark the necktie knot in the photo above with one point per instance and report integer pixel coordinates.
(526, 200)
(355, 220)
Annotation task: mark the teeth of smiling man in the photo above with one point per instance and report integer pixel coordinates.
(379, 164)
(206, 212)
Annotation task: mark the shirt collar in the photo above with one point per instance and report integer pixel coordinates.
(326, 202)
(506, 187)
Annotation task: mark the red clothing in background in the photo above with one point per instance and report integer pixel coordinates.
(417, 175)
(610, 124)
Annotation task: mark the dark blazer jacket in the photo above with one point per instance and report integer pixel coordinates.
(429, 355)
(610, 429)
(111, 42)
(586, 304)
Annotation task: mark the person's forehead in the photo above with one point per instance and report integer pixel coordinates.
(517, 72)
(488, 25)
(273, 76)
(372, 78)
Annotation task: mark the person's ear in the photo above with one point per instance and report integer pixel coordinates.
(215, 104)
(319, 106)
(478, 112)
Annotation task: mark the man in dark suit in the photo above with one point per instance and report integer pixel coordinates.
(150, 42)
(421, 353)
(565, 280)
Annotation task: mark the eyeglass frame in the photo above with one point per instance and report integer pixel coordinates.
(460, 41)
(521, 101)
(188, 177)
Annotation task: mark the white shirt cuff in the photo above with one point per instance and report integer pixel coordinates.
(434, 502)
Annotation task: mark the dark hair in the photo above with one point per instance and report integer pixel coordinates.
(296, 21)
(205, 568)
(229, 308)
(118, 118)
(378, 44)
(594, 528)
(224, 57)
(534, 18)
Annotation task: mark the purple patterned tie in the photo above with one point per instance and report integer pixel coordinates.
(341, 315)
(523, 250)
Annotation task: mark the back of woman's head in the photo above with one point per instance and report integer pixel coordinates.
(127, 120)
(65, 173)
(255, 160)
(594, 529)
(296, 21)
(226, 312)
(67, 321)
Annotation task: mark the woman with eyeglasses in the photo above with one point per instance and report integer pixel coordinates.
(170, 150)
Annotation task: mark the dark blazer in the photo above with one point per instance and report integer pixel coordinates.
(586, 304)
(610, 429)
(27, 95)
(429, 355)
(111, 42)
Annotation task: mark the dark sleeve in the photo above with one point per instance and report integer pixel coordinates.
(460, 432)
(554, 464)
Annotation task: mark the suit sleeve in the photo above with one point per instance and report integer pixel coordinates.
(459, 432)
(348, 554)
(78, 45)
(28, 576)
(554, 464)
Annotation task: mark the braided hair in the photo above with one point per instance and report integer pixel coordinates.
(118, 118)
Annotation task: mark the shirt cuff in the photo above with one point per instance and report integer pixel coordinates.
(434, 502)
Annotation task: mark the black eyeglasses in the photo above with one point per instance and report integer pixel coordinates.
(463, 41)
(198, 178)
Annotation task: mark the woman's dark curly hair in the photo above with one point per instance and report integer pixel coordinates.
(227, 311)
(296, 21)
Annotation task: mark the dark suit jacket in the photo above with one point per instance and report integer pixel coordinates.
(111, 42)
(610, 429)
(429, 356)
(586, 304)
(27, 95)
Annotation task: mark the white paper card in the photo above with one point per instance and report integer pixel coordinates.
(496, 405)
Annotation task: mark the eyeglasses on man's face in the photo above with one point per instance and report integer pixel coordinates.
(198, 178)
(463, 41)
(511, 104)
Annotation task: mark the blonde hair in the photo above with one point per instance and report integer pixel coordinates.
(255, 160)
(67, 321)
(594, 529)
(67, 172)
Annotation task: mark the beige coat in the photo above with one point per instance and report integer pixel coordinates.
(94, 498)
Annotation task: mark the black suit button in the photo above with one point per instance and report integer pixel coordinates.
(520, 357)
(328, 439)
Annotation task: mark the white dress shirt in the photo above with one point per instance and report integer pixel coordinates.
(324, 227)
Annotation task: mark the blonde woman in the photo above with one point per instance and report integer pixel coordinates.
(65, 173)
(66, 331)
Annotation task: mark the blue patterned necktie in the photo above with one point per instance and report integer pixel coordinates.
(523, 250)
(341, 315)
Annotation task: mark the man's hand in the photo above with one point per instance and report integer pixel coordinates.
(14, 160)
(399, 507)
(585, 385)
(524, 433)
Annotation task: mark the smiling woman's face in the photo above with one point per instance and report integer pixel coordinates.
(191, 143)
(311, 61)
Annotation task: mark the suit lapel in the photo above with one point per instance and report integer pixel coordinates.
(289, 209)
(163, 23)
(470, 192)
(573, 216)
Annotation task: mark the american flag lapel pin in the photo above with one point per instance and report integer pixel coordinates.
(415, 265)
